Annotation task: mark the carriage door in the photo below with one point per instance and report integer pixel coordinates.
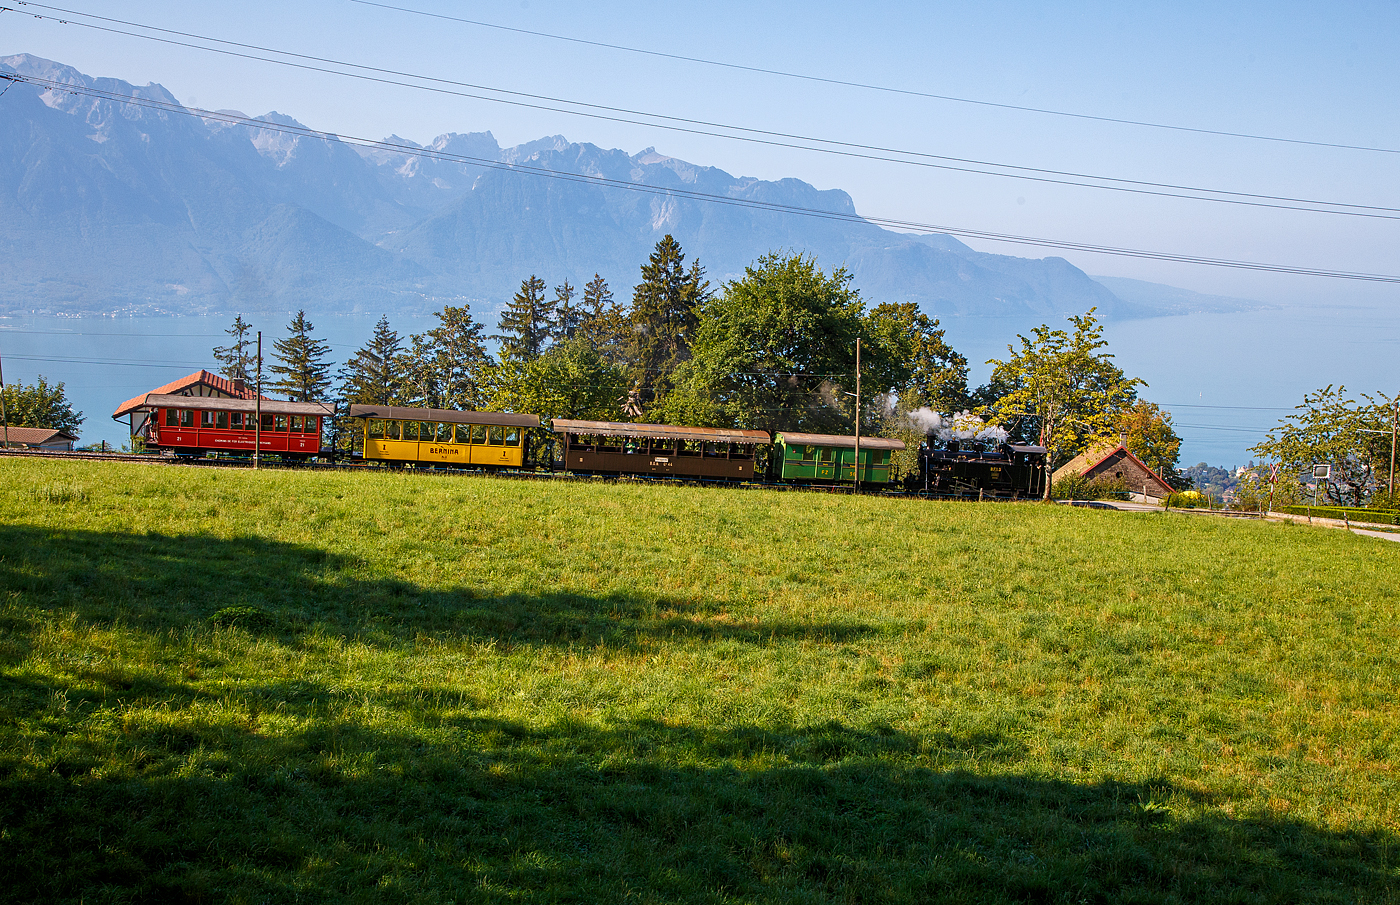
(826, 463)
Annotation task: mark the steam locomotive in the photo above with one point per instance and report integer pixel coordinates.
(980, 469)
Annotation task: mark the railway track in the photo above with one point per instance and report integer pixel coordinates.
(193, 462)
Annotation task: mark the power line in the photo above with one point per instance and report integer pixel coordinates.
(704, 127)
(773, 207)
(884, 88)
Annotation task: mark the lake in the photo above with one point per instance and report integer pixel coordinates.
(1227, 378)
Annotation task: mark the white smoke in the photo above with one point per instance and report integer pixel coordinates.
(962, 426)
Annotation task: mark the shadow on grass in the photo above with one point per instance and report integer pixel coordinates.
(116, 786)
(461, 806)
(157, 583)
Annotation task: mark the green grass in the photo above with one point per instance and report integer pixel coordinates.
(226, 686)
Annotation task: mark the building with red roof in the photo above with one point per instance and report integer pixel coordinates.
(1117, 463)
(200, 383)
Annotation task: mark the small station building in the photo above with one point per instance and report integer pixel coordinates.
(1116, 462)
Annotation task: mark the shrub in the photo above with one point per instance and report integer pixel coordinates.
(1186, 499)
(1078, 487)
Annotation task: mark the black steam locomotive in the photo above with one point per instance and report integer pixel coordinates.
(978, 469)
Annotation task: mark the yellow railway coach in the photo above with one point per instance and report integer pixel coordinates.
(393, 433)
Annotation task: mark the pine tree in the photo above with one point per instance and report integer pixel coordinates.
(526, 322)
(457, 360)
(236, 360)
(568, 317)
(303, 374)
(603, 324)
(374, 375)
(665, 311)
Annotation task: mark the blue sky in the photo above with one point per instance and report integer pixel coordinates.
(1324, 72)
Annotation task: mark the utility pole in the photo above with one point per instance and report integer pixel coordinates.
(857, 485)
(5, 417)
(257, 409)
(1395, 417)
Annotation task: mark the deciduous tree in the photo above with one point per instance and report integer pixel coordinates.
(1148, 433)
(1062, 386)
(41, 404)
(1332, 428)
(773, 351)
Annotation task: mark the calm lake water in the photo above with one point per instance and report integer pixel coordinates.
(1226, 378)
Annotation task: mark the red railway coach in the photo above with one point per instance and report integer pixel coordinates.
(196, 425)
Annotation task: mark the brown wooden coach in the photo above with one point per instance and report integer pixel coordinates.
(612, 447)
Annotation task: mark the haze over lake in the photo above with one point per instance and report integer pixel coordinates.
(1226, 377)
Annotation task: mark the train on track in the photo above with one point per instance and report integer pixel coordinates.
(397, 436)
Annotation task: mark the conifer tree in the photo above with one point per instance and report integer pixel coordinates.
(604, 324)
(568, 317)
(302, 372)
(374, 375)
(664, 315)
(236, 359)
(526, 323)
(457, 362)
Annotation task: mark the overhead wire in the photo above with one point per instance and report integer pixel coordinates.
(908, 92)
(887, 222)
(704, 127)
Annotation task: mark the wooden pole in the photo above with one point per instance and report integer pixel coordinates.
(1394, 418)
(857, 475)
(257, 408)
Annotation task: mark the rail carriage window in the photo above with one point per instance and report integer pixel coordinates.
(512, 436)
(186, 418)
(444, 433)
(410, 430)
(462, 433)
(221, 420)
(374, 429)
(495, 435)
(312, 425)
(826, 455)
(172, 418)
(235, 421)
(478, 434)
(281, 424)
(296, 424)
(206, 419)
(267, 421)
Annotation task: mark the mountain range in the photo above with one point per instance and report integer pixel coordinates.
(129, 203)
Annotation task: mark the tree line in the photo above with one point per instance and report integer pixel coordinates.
(771, 350)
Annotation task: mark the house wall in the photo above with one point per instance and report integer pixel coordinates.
(1120, 465)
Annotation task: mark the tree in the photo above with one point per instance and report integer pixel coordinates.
(1062, 386)
(374, 374)
(526, 322)
(303, 374)
(1147, 432)
(448, 367)
(568, 317)
(40, 405)
(773, 351)
(604, 324)
(570, 380)
(237, 359)
(664, 315)
(1330, 427)
(936, 374)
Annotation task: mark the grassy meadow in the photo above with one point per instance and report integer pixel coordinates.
(227, 686)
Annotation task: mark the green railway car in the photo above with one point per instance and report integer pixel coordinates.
(829, 457)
